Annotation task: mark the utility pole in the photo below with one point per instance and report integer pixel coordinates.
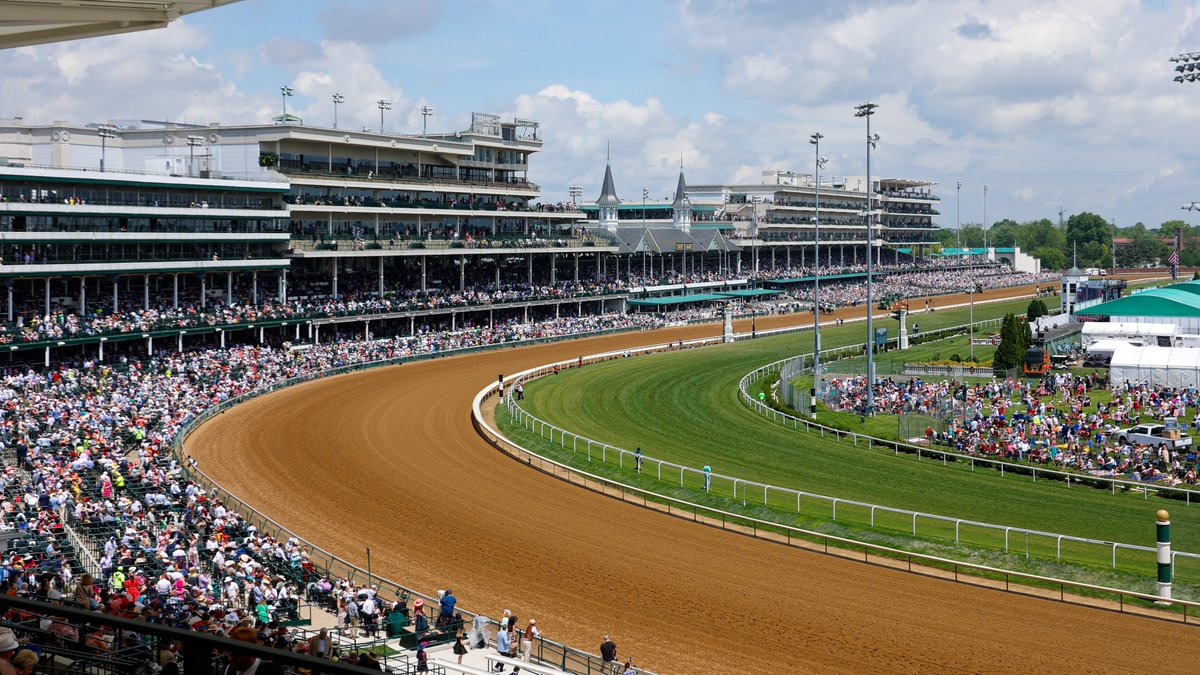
(866, 110)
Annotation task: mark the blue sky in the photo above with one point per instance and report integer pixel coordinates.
(1065, 104)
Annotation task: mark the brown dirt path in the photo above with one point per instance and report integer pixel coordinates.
(388, 458)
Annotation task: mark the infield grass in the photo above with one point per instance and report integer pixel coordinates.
(684, 407)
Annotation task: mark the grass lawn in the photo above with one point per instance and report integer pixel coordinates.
(684, 407)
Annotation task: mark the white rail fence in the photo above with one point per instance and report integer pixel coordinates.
(983, 575)
(1061, 547)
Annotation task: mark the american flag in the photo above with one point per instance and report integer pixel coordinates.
(1173, 258)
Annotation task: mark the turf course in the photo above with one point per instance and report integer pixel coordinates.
(684, 407)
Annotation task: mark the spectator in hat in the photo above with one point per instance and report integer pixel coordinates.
(8, 646)
(531, 632)
(246, 664)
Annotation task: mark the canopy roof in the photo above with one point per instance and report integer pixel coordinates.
(35, 22)
(1169, 301)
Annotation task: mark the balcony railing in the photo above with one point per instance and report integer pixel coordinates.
(413, 243)
(394, 176)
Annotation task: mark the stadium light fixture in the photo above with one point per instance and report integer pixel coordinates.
(105, 132)
(383, 104)
(1187, 65)
(865, 111)
(819, 163)
(285, 92)
(192, 142)
(337, 99)
(426, 112)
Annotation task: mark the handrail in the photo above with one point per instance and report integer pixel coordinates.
(537, 425)
(548, 650)
(760, 528)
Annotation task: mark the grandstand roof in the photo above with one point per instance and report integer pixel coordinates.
(677, 299)
(35, 22)
(1169, 301)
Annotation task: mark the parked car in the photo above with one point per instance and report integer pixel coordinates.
(1155, 435)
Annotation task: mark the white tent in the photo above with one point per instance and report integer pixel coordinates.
(1158, 366)
(1159, 334)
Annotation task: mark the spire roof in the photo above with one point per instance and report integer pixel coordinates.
(681, 200)
(608, 193)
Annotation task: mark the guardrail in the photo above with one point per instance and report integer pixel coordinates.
(976, 532)
(545, 650)
(927, 565)
(921, 452)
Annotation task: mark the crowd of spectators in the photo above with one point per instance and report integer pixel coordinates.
(64, 323)
(1061, 421)
(92, 448)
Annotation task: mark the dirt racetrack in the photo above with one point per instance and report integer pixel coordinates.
(388, 459)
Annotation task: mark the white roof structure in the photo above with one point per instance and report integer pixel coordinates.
(1173, 367)
(35, 22)
(1107, 346)
(1128, 329)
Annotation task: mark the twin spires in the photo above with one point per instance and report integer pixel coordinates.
(681, 208)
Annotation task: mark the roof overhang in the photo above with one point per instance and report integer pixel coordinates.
(35, 22)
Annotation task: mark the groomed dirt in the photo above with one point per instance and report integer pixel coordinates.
(388, 459)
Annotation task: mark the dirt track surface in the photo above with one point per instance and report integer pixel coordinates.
(388, 459)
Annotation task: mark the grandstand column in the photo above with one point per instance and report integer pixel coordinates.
(180, 343)
(254, 287)
(10, 303)
(576, 269)
(739, 263)
(229, 288)
(283, 286)
(529, 269)
(412, 325)
(334, 288)
(526, 313)
(491, 318)
(553, 264)
(146, 292)
(222, 334)
(366, 331)
(597, 271)
(203, 290)
(380, 276)
(462, 273)
(788, 250)
(102, 341)
(453, 321)
(47, 364)
(47, 296)
(556, 306)
(83, 295)
(316, 333)
(149, 346)
(772, 257)
(422, 274)
(1163, 539)
(174, 290)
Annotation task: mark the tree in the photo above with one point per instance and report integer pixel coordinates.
(1052, 258)
(1170, 227)
(1011, 350)
(1092, 234)
(1036, 310)
(1026, 335)
(1003, 233)
(1143, 249)
(972, 236)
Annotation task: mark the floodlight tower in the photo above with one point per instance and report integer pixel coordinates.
(866, 110)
